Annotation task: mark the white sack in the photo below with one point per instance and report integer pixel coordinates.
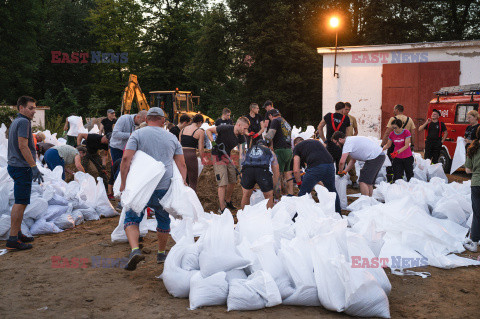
(102, 205)
(341, 187)
(210, 291)
(459, 156)
(41, 227)
(37, 207)
(144, 175)
(118, 235)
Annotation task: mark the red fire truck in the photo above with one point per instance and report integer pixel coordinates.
(454, 102)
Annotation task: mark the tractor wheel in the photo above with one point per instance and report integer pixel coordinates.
(445, 160)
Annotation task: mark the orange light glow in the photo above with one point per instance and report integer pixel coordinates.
(334, 22)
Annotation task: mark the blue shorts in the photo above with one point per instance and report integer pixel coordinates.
(163, 220)
(53, 159)
(22, 183)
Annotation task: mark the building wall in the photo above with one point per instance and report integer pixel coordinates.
(360, 76)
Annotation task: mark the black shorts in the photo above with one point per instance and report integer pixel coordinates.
(257, 175)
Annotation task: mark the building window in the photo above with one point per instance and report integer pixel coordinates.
(462, 110)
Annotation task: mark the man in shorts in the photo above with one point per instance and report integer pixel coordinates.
(22, 168)
(360, 148)
(164, 147)
(228, 137)
(279, 134)
(259, 165)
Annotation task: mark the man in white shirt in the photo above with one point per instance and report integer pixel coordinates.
(360, 148)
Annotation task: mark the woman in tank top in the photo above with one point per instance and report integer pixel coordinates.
(192, 138)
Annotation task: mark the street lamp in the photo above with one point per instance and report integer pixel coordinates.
(334, 23)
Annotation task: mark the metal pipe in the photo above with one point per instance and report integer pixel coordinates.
(335, 74)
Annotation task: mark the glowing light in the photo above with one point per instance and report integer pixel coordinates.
(334, 22)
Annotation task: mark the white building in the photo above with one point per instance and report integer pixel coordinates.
(374, 78)
(39, 117)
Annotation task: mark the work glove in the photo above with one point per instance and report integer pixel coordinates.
(341, 173)
(251, 134)
(37, 176)
(255, 136)
(299, 184)
(394, 154)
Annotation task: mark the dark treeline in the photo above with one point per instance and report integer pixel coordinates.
(229, 53)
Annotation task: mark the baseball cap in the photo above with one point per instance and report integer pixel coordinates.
(267, 103)
(273, 112)
(435, 110)
(155, 111)
(109, 111)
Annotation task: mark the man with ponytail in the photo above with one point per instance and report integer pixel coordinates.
(472, 165)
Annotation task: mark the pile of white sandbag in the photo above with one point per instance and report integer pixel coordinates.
(54, 205)
(419, 220)
(267, 259)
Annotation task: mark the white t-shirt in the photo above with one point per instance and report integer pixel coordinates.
(361, 148)
(76, 125)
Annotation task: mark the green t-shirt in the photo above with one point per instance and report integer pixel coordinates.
(474, 165)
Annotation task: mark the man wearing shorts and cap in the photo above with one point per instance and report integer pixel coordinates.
(163, 147)
(360, 148)
(108, 122)
(436, 133)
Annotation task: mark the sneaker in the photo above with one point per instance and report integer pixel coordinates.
(133, 259)
(470, 245)
(230, 205)
(25, 239)
(17, 245)
(161, 258)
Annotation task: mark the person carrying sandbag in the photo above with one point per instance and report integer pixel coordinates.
(472, 165)
(163, 147)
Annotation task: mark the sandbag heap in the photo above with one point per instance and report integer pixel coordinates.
(268, 259)
(55, 205)
(418, 221)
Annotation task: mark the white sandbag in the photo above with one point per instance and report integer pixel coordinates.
(449, 208)
(219, 253)
(436, 170)
(54, 211)
(257, 197)
(57, 200)
(341, 187)
(25, 229)
(364, 296)
(65, 221)
(41, 227)
(258, 291)
(37, 207)
(4, 197)
(118, 235)
(102, 205)
(181, 201)
(362, 202)
(176, 279)
(87, 188)
(72, 190)
(144, 175)
(94, 130)
(459, 156)
(89, 213)
(210, 291)
(420, 174)
(190, 258)
(326, 199)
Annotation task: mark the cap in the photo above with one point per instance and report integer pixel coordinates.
(267, 103)
(155, 111)
(435, 110)
(109, 111)
(273, 112)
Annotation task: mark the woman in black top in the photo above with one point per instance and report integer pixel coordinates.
(192, 138)
(472, 118)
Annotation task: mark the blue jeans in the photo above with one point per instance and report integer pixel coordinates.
(22, 183)
(116, 154)
(475, 230)
(163, 220)
(324, 173)
(53, 160)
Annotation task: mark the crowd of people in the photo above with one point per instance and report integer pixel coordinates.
(268, 157)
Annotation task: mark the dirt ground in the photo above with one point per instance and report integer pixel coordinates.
(32, 287)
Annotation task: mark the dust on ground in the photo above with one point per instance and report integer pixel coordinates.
(31, 288)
